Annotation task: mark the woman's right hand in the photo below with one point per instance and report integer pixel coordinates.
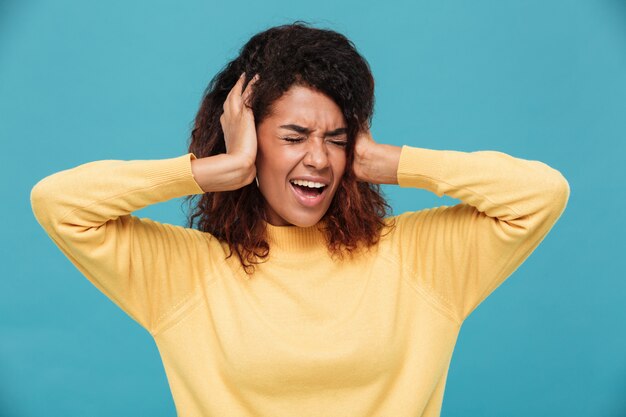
(238, 122)
(236, 168)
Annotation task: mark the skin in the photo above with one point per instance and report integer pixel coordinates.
(284, 153)
(264, 152)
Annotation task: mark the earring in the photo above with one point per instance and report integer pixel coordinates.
(257, 181)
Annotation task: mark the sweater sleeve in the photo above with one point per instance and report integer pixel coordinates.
(145, 267)
(460, 254)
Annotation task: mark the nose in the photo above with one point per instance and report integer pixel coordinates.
(316, 154)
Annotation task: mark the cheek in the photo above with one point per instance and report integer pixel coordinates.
(340, 163)
(273, 165)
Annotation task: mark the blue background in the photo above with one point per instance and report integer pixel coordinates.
(83, 81)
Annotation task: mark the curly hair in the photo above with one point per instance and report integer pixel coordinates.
(284, 56)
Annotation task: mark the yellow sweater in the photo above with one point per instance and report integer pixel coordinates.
(307, 335)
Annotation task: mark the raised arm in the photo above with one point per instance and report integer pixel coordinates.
(460, 254)
(145, 267)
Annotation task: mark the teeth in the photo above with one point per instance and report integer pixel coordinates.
(308, 183)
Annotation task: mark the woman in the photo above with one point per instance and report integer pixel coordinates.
(330, 308)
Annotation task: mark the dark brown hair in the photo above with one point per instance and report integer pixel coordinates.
(283, 56)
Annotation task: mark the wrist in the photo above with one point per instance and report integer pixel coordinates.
(223, 172)
(381, 162)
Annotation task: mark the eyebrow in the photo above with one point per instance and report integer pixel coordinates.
(301, 129)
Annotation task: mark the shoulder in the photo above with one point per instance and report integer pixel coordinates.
(151, 230)
(409, 224)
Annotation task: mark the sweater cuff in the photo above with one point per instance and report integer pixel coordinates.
(178, 170)
(421, 168)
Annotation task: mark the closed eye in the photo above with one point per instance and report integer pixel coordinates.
(341, 143)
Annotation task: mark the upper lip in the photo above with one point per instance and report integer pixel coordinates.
(312, 179)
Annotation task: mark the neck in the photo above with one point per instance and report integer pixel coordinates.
(295, 241)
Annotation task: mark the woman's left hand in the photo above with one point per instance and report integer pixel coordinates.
(373, 162)
(363, 149)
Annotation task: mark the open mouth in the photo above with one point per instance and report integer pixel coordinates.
(308, 189)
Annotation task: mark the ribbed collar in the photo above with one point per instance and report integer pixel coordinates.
(296, 242)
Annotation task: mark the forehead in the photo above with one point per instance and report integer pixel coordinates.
(307, 107)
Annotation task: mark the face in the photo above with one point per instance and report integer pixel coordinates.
(301, 145)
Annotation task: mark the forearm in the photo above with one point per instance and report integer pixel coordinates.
(496, 183)
(91, 194)
(222, 172)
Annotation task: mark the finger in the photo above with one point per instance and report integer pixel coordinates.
(239, 85)
(237, 97)
(251, 83)
(249, 88)
(234, 92)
